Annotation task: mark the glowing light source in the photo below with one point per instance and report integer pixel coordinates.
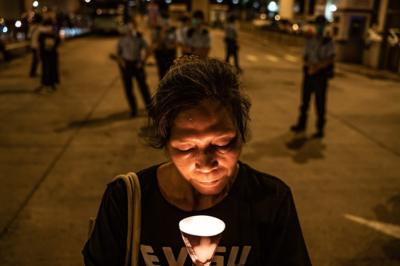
(272, 6)
(35, 3)
(168, 1)
(5, 29)
(235, 2)
(220, 1)
(295, 27)
(1, 20)
(87, 1)
(277, 17)
(201, 235)
(99, 11)
(18, 24)
(332, 8)
(263, 16)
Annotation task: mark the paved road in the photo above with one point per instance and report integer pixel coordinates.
(58, 151)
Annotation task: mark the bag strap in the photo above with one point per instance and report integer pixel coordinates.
(134, 217)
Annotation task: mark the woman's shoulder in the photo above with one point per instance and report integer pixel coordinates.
(258, 184)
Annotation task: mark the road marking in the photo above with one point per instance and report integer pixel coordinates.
(291, 58)
(252, 58)
(271, 58)
(385, 228)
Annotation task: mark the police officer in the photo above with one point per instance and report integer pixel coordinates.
(164, 45)
(132, 53)
(318, 68)
(231, 43)
(198, 36)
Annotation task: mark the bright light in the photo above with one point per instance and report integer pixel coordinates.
(295, 27)
(332, 8)
(168, 1)
(18, 24)
(220, 1)
(272, 7)
(1, 20)
(235, 2)
(5, 29)
(263, 16)
(87, 1)
(35, 3)
(277, 17)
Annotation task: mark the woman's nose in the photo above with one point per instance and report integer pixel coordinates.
(206, 161)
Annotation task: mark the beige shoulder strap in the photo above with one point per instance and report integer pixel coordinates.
(134, 217)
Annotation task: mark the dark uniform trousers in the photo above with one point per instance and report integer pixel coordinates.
(316, 84)
(130, 71)
(232, 50)
(165, 59)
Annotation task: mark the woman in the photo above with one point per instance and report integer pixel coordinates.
(199, 116)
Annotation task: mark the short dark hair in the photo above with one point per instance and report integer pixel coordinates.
(190, 81)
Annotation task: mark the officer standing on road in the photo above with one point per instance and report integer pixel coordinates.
(164, 45)
(318, 68)
(198, 36)
(232, 46)
(133, 51)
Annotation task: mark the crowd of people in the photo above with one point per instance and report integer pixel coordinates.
(168, 42)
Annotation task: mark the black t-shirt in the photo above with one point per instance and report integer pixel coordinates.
(262, 227)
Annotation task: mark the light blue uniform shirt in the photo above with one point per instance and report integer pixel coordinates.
(131, 47)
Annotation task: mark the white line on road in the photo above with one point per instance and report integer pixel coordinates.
(271, 58)
(386, 228)
(291, 58)
(252, 58)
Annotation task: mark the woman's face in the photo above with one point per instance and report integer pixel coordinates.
(205, 146)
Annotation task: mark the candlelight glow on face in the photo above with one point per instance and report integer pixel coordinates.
(201, 235)
(205, 146)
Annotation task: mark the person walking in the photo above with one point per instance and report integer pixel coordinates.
(132, 54)
(231, 44)
(198, 36)
(164, 46)
(48, 48)
(319, 57)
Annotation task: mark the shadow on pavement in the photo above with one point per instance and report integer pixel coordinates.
(6, 92)
(306, 149)
(97, 122)
(302, 149)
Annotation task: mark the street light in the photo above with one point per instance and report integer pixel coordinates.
(5, 29)
(272, 6)
(35, 4)
(18, 24)
(87, 1)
